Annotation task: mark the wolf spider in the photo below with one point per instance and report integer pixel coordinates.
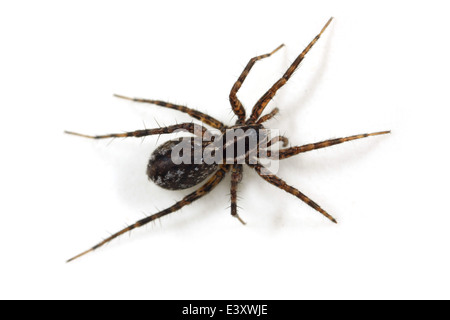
(161, 165)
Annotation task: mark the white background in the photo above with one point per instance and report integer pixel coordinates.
(380, 65)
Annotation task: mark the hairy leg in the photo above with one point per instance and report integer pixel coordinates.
(190, 127)
(289, 152)
(268, 116)
(273, 179)
(279, 139)
(236, 105)
(203, 190)
(265, 99)
(236, 177)
(193, 113)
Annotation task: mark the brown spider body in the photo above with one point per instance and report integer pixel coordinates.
(248, 144)
(233, 145)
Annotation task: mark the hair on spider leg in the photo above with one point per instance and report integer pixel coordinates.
(157, 123)
(145, 128)
(110, 141)
(213, 174)
(238, 197)
(144, 214)
(153, 223)
(123, 138)
(231, 115)
(238, 207)
(157, 139)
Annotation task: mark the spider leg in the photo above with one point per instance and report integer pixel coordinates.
(265, 99)
(190, 127)
(273, 179)
(289, 152)
(193, 113)
(237, 106)
(236, 177)
(203, 190)
(278, 139)
(268, 116)
(263, 147)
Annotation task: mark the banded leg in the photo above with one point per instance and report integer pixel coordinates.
(263, 150)
(236, 177)
(236, 105)
(268, 116)
(271, 178)
(193, 113)
(287, 153)
(263, 146)
(190, 127)
(203, 190)
(278, 139)
(265, 99)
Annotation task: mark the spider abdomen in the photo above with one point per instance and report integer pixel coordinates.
(177, 171)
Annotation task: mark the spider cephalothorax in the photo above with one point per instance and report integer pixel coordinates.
(248, 141)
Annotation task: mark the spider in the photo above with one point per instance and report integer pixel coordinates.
(165, 173)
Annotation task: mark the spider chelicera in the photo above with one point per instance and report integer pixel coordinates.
(165, 173)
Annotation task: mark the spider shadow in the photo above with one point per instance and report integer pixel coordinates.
(141, 197)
